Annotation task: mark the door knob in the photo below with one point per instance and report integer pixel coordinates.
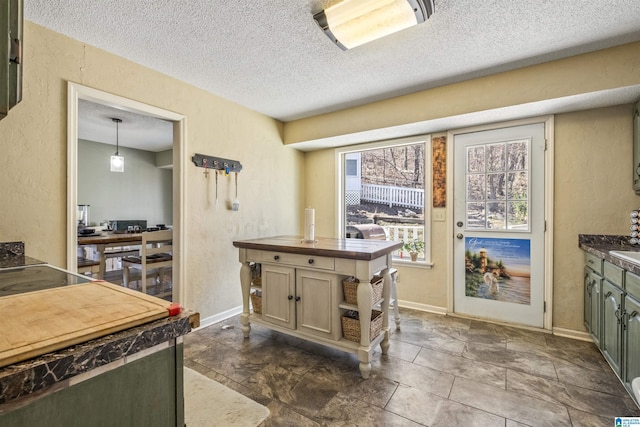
(277, 257)
(459, 236)
(459, 223)
(297, 298)
(290, 297)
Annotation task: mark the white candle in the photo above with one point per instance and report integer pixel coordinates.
(309, 225)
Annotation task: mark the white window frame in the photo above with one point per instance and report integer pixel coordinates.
(340, 189)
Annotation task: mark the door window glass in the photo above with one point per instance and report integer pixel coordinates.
(497, 181)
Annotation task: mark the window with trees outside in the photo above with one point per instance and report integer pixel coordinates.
(385, 193)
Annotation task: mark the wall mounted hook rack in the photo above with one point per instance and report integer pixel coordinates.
(217, 163)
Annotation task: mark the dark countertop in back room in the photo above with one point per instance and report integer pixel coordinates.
(12, 255)
(600, 245)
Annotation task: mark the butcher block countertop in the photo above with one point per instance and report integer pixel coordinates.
(36, 323)
(323, 246)
(50, 336)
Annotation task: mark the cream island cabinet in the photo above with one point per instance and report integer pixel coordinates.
(301, 289)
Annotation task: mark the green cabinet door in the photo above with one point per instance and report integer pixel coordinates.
(147, 392)
(611, 339)
(632, 340)
(592, 303)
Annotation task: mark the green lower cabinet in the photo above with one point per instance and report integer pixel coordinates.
(611, 339)
(145, 392)
(632, 340)
(592, 303)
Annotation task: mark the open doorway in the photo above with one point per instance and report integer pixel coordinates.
(86, 105)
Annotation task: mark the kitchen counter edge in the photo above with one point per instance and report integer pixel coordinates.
(31, 376)
(600, 245)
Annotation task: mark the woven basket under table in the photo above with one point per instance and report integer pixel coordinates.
(351, 325)
(256, 302)
(350, 289)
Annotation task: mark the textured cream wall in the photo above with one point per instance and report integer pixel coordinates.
(33, 163)
(593, 195)
(605, 69)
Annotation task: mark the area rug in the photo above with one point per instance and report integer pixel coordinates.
(208, 403)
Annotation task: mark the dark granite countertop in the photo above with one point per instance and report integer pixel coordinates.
(600, 245)
(12, 255)
(28, 377)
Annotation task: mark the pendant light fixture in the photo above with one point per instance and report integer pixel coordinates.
(351, 23)
(117, 161)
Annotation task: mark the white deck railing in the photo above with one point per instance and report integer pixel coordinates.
(393, 196)
(403, 233)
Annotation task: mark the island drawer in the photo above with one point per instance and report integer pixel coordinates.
(613, 273)
(298, 260)
(593, 262)
(632, 285)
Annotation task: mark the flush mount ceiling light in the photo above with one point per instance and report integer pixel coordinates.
(351, 23)
(117, 161)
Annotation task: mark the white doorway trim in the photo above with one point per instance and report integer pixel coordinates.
(548, 202)
(75, 92)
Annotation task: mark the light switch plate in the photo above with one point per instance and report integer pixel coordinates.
(439, 215)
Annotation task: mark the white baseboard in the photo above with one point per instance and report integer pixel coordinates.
(422, 307)
(208, 321)
(570, 333)
(561, 332)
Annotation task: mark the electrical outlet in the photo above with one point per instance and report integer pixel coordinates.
(439, 215)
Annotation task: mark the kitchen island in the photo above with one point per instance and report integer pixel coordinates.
(121, 367)
(301, 290)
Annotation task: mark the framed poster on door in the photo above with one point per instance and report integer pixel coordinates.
(498, 269)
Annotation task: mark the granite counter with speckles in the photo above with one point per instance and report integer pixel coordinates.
(600, 245)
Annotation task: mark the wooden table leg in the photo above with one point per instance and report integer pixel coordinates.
(245, 281)
(364, 356)
(102, 260)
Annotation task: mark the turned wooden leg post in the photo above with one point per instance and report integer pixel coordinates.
(245, 281)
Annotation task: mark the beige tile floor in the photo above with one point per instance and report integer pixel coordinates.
(440, 370)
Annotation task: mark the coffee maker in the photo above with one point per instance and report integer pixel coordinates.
(83, 216)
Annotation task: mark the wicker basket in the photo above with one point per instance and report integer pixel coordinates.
(350, 289)
(351, 325)
(256, 301)
(256, 274)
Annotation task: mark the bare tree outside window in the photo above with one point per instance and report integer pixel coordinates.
(390, 191)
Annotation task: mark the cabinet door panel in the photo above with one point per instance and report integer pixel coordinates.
(278, 284)
(317, 311)
(587, 299)
(611, 328)
(632, 360)
(592, 300)
(596, 304)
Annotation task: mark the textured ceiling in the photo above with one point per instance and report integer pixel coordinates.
(135, 130)
(271, 57)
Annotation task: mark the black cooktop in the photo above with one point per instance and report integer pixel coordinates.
(35, 278)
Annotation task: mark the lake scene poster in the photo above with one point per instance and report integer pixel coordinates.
(498, 269)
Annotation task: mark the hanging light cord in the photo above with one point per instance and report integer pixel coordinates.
(117, 134)
(117, 138)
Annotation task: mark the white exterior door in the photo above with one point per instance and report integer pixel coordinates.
(499, 224)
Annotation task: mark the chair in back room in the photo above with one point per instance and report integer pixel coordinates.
(155, 256)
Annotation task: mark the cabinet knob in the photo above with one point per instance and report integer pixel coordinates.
(276, 257)
(310, 260)
(297, 298)
(290, 297)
